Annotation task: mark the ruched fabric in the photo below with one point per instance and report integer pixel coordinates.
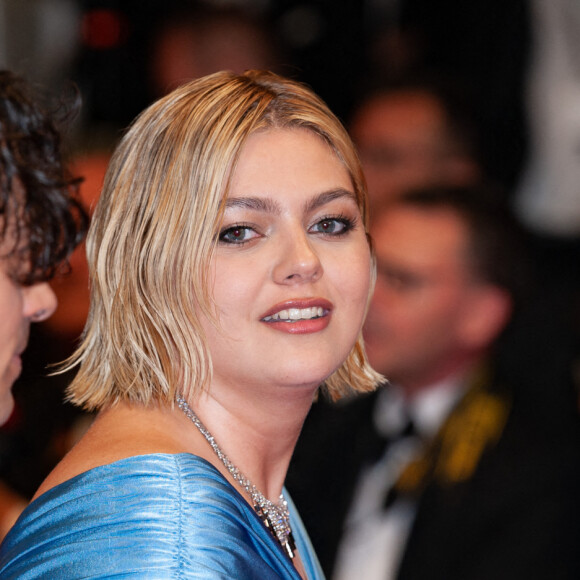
(151, 516)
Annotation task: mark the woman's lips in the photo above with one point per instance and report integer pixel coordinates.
(301, 316)
(295, 314)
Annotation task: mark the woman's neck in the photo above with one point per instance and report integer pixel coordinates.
(258, 435)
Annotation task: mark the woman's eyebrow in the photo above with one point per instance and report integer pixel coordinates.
(328, 196)
(268, 205)
(263, 204)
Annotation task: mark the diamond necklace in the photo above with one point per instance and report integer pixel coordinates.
(276, 517)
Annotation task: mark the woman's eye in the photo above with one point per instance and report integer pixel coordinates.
(237, 234)
(334, 226)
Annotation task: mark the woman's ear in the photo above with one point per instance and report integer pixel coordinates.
(489, 310)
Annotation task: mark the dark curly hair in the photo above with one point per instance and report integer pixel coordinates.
(38, 197)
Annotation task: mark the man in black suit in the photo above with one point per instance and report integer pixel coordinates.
(466, 465)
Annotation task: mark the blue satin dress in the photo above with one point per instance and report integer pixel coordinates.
(151, 516)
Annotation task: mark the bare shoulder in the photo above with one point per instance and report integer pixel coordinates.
(117, 433)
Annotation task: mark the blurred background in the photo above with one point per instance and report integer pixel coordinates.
(111, 50)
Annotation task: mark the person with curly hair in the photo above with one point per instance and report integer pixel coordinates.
(41, 221)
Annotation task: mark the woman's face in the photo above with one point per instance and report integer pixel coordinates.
(291, 272)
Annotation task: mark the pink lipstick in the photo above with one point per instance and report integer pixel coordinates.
(300, 316)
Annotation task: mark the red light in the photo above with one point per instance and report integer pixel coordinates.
(103, 29)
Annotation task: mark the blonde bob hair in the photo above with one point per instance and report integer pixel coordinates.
(155, 228)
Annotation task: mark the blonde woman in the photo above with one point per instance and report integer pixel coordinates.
(230, 274)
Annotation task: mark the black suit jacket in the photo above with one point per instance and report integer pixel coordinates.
(516, 517)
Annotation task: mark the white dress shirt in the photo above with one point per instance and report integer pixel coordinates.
(375, 537)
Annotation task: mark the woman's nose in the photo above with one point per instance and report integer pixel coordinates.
(298, 262)
(39, 302)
